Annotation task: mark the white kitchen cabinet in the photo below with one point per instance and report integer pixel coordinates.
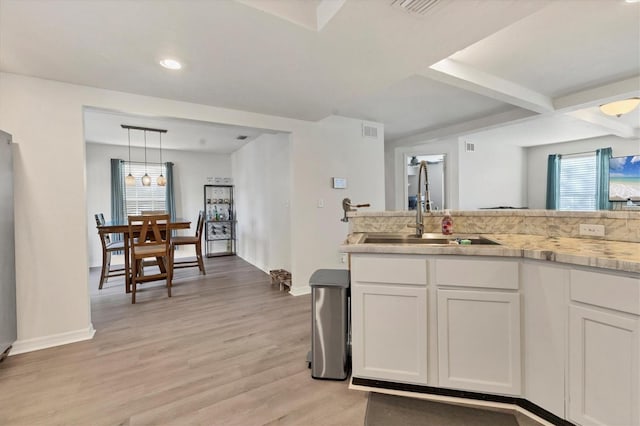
(545, 296)
(603, 367)
(479, 341)
(389, 317)
(389, 332)
(604, 349)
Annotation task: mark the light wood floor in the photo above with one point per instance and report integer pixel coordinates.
(226, 349)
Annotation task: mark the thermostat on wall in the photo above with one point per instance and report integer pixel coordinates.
(339, 183)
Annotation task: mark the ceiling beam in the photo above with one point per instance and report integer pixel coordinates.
(615, 127)
(460, 129)
(575, 104)
(596, 96)
(454, 73)
(463, 76)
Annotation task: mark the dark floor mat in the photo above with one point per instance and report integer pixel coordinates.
(391, 410)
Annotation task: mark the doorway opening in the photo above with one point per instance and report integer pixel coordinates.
(435, 176)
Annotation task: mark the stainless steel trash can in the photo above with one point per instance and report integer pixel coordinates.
(329, 324)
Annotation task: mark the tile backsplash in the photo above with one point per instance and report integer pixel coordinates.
(620, 225)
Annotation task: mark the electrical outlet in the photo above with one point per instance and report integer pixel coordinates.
(592, 230)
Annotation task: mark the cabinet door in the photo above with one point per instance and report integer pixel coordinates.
(603, 367)
(545, 323)
(389, 332)
(479, 341)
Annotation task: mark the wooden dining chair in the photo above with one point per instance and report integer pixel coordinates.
(146, 212)
(108, 247)
(153, 240)
(187, 240)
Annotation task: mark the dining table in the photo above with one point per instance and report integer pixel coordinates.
(122, 227)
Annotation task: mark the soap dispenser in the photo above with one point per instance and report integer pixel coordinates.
(447, 223)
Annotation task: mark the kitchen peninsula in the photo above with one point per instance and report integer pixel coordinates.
(547, 320)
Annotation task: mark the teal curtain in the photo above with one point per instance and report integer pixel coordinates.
(117, 195)
(602, 158)
(553, 181)
(170, 197)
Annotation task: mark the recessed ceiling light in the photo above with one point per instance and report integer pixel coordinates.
(171, 64)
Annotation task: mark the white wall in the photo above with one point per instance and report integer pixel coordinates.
(336, 148)
(191, 170)
(395, 169)
(45, 118)
(493, 175)
(262, 179)
(537, 161)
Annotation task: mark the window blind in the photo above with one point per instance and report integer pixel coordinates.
(578, 182)
(138, 198)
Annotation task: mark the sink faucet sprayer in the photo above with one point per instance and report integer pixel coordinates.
(427, 202)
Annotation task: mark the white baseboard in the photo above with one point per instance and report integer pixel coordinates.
(37, 343)
(299, 291)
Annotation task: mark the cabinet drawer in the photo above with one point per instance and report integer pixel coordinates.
(606, 290)
(389, 269)
(484, 273)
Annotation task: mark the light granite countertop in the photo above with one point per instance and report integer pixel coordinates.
(614, 255)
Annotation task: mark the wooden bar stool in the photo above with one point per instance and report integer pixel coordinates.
(152, 241)
(186, 240)
(108, 247)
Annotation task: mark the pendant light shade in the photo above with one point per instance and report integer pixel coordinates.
(161, 181)
(129, 180)
(146, 180)
(618, 108)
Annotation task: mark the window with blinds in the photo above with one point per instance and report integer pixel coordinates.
(138, 198)
(578, 182)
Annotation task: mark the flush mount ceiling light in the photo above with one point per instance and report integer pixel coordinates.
(632, 1)
(618, 108)
(171, 64)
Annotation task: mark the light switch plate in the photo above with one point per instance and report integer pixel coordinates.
(592, 230)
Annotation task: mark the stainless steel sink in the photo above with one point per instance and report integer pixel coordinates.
(428, 239)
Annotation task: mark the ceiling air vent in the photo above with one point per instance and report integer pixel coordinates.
(415, 7)
(469, 147)
(369, 131)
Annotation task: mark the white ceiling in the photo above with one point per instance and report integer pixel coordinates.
(367, 60)
(187, 135)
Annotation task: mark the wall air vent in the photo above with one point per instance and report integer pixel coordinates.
(242, 137)
(369, 131)
(469, 147)
(415, 7)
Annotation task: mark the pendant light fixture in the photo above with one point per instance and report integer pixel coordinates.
(618, 108)
(146, 180)
(161, 181)
(129, 180)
